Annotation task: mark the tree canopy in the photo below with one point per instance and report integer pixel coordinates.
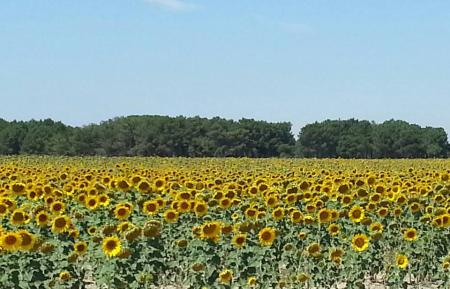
(153, 135)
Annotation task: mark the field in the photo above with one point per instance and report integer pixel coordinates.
(223, 223)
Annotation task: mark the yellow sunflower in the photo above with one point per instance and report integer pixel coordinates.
(64, 276)
(171, 216)
(334, 229)
(42, 218)
(314, 250)
(225, 276)
(19, 217)
(111, 246)
(210, 230)
(360, 242)
(57, 207)
(251, 281)
(200, 208)
(150, 207)
(10, 241)
(27, 240)
(239, 240)
(324, 215)
(60, 224)
(80, 247)
(356, 214)
(278, 214)
(401, 261)
(410, 234)
(121, 212)
(267, 236)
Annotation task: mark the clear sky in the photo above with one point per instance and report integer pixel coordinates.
(280, 60)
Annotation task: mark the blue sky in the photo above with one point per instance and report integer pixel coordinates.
(287, 60)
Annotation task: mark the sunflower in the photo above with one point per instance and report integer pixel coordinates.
(383, 212)
(42, 218)
(18, 188)
(144, 187)
(401, 261)
(226, 229)
(74, 233)
(171, 216)
(336, 254)
(197, 267)
(123, 185)
(296, 216)
(314, 250)
(92, 203)
(239, 240)
(251, 281)
(376, 228)
(302, 235)
(303, 277)
(124, 227)
(397, 212)
(334, 229)
(410, 234)
(360, 242)
(103, 200)
(271, 201)
(225, 203)
(267, 236)
(356, 214)
(251, 213)
(64, 276)
(92, 230)
(57, 207)
(200, 208)
(278, 214)
(183, 206)
(3, 210)
(121, 212)
(60, 224)
(80, 247)
(414, 207)
(210, 230)
(159, 184)
(10, 241)
(19, 217)
(150, 207)
(225, 276)
(324, 215)
(111, 246)
(27, 240)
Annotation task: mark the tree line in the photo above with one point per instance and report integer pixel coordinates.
(218, 137)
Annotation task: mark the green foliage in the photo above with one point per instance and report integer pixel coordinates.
(217, 137)
(362, 139)
(150, 136)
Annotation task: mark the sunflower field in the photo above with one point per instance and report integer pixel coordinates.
(223, 223)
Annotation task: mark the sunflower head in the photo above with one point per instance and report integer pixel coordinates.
(80, 247)
(60, 224)
(27, 240)
(171, 216)
(64, 276)
(225, 276)
(267, 236)
(401, 261)
(410, 234)
(111, 246)
(150, 207)
(356, 214)
(239, 240)
(360, 242)
(10, 241)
